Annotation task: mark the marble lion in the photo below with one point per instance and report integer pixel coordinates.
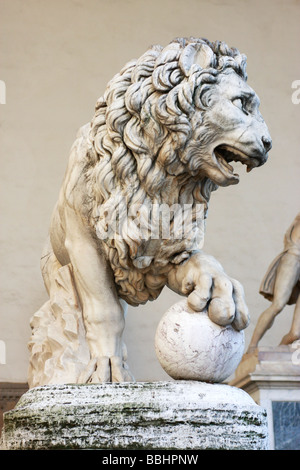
(165, 132)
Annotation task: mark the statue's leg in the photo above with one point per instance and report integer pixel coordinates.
(102, 311)
(286, 276)
(294, 333)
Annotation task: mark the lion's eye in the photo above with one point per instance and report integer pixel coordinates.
(240, 103)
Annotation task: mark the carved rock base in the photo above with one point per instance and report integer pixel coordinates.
(159, 415)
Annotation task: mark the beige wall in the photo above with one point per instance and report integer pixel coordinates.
(56, 58)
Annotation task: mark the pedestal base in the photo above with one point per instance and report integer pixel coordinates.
(159, 415)
(271, 376)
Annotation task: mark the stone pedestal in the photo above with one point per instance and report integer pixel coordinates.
(162, 415)
(271, 376)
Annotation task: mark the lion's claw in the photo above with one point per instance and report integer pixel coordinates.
(203, 279)
(225, 304)
(106, 369)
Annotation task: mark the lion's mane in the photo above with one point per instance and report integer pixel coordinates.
(138, 144)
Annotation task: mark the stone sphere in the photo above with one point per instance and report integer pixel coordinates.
(189, 346)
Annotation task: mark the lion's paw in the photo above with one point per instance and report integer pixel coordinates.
(208, 287)
(106, 369)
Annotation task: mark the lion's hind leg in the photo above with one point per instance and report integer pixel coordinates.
(103, 313)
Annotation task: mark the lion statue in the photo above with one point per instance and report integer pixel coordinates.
(163, 135)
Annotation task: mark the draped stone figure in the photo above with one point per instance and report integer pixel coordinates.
(281, 285)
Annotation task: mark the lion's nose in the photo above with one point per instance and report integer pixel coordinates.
(267, 143)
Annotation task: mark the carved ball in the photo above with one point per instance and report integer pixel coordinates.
(189, 346)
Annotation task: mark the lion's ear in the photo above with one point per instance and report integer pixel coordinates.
(193, 53)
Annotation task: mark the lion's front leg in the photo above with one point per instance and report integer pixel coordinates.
(103, 314)
(207, 286)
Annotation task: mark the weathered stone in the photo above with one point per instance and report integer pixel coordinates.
(271, 376)
(130, 216)
(161, 415)
(190, 346)
(281, 285)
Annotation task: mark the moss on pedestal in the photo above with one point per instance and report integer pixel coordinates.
(159, 415)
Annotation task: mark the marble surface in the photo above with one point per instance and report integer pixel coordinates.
(271, 375)
(190, 346)
(164, 135)
(286, 424)
(157, 415)
(280, 363)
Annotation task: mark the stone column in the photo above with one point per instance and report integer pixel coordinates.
(271, 376)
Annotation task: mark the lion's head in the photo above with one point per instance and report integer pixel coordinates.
(165, 131)
(232, 129)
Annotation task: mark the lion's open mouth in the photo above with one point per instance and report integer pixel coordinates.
(226, 154)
